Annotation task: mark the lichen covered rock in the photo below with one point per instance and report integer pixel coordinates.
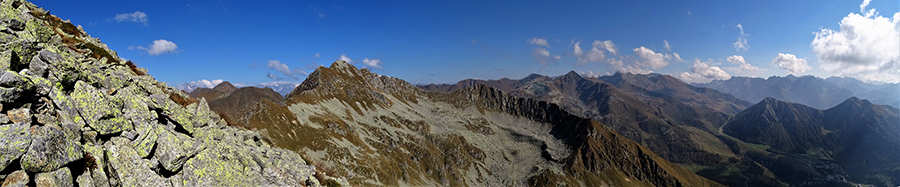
(58, 178)
(72, 112)
(49, 150)
(14, 141)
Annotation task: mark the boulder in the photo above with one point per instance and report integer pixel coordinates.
(16, 179)
(49, 150)
(127, 167)
(98, 110)
(174, 149)
(9, 95)
(22, 115)
(14, 141)
(59, 178)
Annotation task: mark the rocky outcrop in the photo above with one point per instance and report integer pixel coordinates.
(73, 113)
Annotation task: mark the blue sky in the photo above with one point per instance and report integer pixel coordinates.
(447, 41)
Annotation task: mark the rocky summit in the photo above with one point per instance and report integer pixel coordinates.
(72, 113)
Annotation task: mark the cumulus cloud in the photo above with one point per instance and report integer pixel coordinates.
(597, 52)
(865, 47)
(790, 63)
(606, 45)
(703, 72)
(375, 63)
(203, 83)
(862, 6)
(345, 58)
(540, 53)
(650, 59)
(318, 55)
(668, 47)
(557, 57)
(137, 17)
(539, 42)
(284, 69)
(741, 43)
(739, 60)
(158, 47)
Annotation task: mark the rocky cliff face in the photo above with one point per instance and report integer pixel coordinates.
(380, 130)
(73, 113)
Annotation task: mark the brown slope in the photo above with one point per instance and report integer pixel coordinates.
(236, 106)
(219, 91)
(386, 132)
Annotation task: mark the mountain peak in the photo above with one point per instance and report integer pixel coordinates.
(225, 87)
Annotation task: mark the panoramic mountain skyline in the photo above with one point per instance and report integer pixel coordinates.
(443, 42)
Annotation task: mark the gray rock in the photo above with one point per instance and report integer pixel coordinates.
(14, 141)
(147, 139)
(16, 179)
(19, 115)
(49, 150)
(127, 167)
(11, 79)
(3, 118)
(37, 67)
(9, 95)
(16, 25)
(94, 105)
(174, 149)
(61, 178)
(50, 56)
(98, 172)
(85, 180)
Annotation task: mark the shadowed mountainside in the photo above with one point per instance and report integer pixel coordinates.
(856, 140)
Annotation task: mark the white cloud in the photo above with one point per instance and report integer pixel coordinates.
(541, 52)
(703, 72)
(273, 76)
(741, 43)
(790, 63)
(158, 47)
(596, 54)
(674, 56)
(345, 58)
(650, 59)
(862, 6)
(557, 57)
(606, 45)
(318, 55)
(668, 47)
(539, 42)
(137, 17)
(284, 69)
(620, 66)
(739, 60)
(375, 63)
(203, 83)
(866, 47)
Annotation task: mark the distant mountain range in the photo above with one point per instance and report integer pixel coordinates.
(684, 124)
(808, 90)
(855, 140)
(384, 131)
(281, 87)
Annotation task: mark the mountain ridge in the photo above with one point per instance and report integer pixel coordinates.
(366, 110)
